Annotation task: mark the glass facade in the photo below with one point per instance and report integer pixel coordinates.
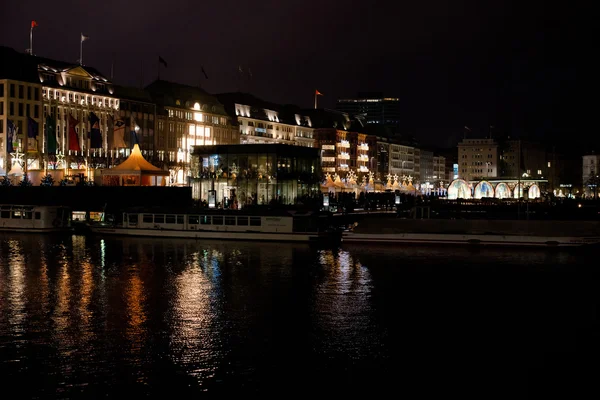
(254, 174)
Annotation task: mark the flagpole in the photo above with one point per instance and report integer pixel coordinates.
(31, 40)
(315, 99)
(159, 68)
(81, 49)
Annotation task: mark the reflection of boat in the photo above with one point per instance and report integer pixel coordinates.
(221, 224)
(477, 232)
(27, 218)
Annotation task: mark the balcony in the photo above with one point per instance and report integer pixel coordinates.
(363, 157)
(344, 156)
(364, 146)
(344, 144)
(363, 168)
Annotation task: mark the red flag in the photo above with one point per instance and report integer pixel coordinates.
(33, 24)
(317, 93)
(73, 137)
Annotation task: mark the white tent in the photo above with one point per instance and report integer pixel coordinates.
(135, 171)
(16, 170)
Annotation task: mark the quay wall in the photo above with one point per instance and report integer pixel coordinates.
(479, 227)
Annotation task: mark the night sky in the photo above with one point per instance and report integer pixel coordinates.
(511, 65)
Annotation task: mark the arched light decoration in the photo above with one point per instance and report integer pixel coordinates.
(197, 106)
(484, 189)
(459, 189)
(534, 192)
(502, 191)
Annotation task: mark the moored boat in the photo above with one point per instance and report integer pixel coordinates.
(476, 232)
(30, 218)
(222, 225)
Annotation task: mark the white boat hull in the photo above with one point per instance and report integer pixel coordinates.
(35, 230)
(200, 234)
(460, 239)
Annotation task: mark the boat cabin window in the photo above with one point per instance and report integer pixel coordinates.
(205, 219)
(217, 220)
(133, 219)
(193, 219)
(159, 218)
(180, 219)
(38, 215)
(170, 219)
(229, 220)
(16, 214)
(4, 214)
(242, 221)
(255, 221)
(148, 218)
(27, 215)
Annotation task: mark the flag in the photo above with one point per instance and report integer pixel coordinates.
(317, 93)
(204, 72)
(116, 129)
(162, 61)
(240, 69)
(51, 134)
(95, 136)
(84, 37)
(73, 136)
(467, 128)
(32, 128)
(34, 24)
(133, 138)
(10, 136)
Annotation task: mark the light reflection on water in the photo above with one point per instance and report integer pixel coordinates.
(107, 315)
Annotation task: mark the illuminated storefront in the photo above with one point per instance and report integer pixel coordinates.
(241, 175)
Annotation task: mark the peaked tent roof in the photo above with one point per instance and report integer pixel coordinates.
(136, 162)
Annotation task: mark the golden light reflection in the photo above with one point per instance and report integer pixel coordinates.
(195, 343)
(136, 315)
(16, 292)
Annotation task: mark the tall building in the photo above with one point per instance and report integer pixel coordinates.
(137, 105)
(439, 171)
(477, 159)
(343, 146)
(591, 171)
(264, 122)
(72, 95)
(187, 116)
(375, 108)
(426, 164)
(402, 160)
(520, 158)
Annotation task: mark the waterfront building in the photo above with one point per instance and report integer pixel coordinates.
(343, 146)
(383, 157)
(590, 175)
(522, 158)
(75, 100)
(402, 160)
(374, 107)
(137, 105)
(439, 170)
(187, 116)
(260, 121)
(477, 158)
(235, 176)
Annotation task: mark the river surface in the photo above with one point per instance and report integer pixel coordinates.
(93, 317)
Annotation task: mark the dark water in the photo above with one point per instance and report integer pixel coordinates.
(90, 317)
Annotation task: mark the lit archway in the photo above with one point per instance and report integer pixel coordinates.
(518, 191)
(502, 191)
(483, 189)
(459, 189)
(534, 192)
